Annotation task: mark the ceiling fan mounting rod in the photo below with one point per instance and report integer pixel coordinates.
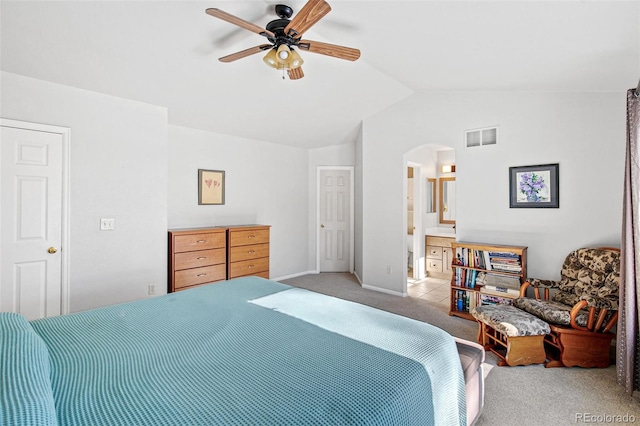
(283, 11)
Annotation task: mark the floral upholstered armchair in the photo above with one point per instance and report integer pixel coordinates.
(582, 309)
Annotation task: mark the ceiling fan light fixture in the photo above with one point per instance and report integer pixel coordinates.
(295, 60)
(271, 58)
(283, 53)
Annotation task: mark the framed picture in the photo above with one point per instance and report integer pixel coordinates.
(210, 186)
(534, 186)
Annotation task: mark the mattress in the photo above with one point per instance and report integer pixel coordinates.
(218, 354)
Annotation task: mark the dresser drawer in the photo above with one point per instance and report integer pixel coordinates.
(248, 267)
(241, 237)
(434, 252)
(439, 241)
(434, 265)
(196, 259)
(196, 285)
(254, 251)
(192, 242)
(189, 277)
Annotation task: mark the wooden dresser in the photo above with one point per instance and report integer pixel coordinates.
(204, 255)
(248, 248)
(197, 256)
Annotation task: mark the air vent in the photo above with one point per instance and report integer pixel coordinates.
(481, 137)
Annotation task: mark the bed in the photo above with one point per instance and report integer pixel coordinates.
(246, 351)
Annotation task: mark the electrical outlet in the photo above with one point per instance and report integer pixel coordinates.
(388, 269)
(152, 289)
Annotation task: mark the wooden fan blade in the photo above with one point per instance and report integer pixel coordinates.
(295, 74)
(336, 51)
(245, 53)
(217, 13)
(310, 13)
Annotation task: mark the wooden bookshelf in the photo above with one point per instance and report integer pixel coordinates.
(483, 274)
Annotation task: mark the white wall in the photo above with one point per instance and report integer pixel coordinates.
(118, 169)
(583, 132)
(265, 184)
(125, 166)
(337, 155)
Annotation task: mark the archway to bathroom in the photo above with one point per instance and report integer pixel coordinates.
(424, 274)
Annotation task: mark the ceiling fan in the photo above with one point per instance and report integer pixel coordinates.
(284, 35)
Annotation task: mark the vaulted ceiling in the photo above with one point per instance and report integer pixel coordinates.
(165, 53)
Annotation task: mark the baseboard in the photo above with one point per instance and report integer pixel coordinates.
(298, 274)
(368, 287)
(381, 290)
(384, 290)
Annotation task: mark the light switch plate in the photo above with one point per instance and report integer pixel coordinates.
(107, 224)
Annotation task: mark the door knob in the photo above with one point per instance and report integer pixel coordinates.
(322, 226)
(52, 250)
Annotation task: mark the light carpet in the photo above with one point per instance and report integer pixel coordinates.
(519, 396)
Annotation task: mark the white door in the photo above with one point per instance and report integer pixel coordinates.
(335, 216)
(31, 179)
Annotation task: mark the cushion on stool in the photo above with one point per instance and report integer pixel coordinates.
(551, 311)
(510, 321)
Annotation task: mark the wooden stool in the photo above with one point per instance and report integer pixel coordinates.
(515, 336)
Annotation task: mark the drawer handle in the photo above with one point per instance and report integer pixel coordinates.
(201, 275)
(251, 251)
(200, 258)
(251, 236)
(201, 241)
(250, 266)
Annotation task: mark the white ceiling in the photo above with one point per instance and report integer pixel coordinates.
(165, 53)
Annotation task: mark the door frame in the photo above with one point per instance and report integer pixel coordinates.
(419, 266)
(65, 251)
(351, 214)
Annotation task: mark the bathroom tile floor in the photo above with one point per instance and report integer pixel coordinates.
(435, 290)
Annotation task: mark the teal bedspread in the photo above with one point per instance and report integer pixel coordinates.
(208, 356)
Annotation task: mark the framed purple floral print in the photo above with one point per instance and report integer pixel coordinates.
(210, 186)
(534, 186)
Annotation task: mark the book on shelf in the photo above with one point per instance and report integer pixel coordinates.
(515, 269)
(490, 299)
(504, 255)
(505, 262)
(508, 281)
(499, 291)
(471, 257)
(464, 301)
(489, 260)
(466, 277)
